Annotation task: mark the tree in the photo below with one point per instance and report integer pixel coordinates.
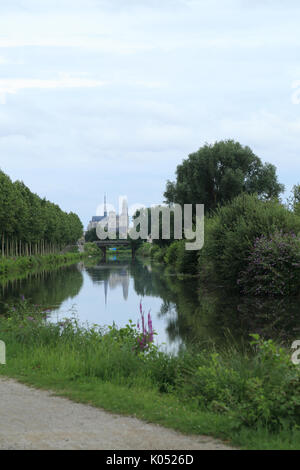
(91, 235)
(215, 174)
(230, 234)
(31, 225)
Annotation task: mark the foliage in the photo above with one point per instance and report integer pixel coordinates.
(273, 266)
(256, 387)
(91, 235)
(146, 336)
(20, 265)
(92, 249)
(261, 387)
(154, 249)
(230, 233)
(158, 255)
(184, 261)
(172, 253)
(215, 174)
(144, 250)
(31, 225)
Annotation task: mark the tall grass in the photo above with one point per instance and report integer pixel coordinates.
(10, 267)
(256, 388)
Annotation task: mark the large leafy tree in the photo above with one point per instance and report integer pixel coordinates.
(215, 174)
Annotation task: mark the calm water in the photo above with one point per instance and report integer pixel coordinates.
(182, 311)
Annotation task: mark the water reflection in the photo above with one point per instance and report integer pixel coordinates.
(183, 311)
(47, 288)
(111, 275)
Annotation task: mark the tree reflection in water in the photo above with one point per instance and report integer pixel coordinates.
(198, 314)
(47, 288)
(193, 313)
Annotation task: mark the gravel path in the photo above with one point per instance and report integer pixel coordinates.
(36, 419)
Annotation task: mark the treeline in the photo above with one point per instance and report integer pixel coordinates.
(30, 225)
(252, 238)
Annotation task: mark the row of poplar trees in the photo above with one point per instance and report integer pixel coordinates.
(30, 225)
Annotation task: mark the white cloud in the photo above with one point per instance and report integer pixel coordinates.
(136, 85)
(12, 86)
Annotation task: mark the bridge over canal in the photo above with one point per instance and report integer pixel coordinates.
(104, 244)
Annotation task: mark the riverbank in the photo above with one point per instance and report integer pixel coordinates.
(249, 399)
(16, 267)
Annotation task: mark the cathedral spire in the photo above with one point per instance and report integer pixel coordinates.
(105, 210)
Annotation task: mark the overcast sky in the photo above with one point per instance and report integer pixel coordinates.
(110, 95)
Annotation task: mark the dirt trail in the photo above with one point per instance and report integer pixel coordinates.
(36, 419)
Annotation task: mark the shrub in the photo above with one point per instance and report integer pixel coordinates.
(231, 232)
(172, 253)
(154, 249)
(261, 387)
(186, 261)
(159, 255)
(92, 249)
(144, 250)
(254, 387)
(273, 266)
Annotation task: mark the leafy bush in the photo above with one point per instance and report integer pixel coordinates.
(159, 255)
(258, 387)
(172, 253)
(273, 266)
(92, 249)
(154, 249)
(261, 388)
(144, 250)
(184, 261)
(231, 232)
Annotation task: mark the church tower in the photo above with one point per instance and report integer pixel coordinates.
(105, 210)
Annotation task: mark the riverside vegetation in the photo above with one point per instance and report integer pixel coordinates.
(34, 232)
(249, 397)
(16, 267)
(251, 238)
(30, 225)
(248, 394)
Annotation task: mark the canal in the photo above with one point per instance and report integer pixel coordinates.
(183, 311)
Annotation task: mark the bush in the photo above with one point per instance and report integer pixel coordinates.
(231, 232)
(159, 255)
(172, 253)
(144, 250)
(273, 266)
(92, 249)
(184, 261)
(259, 388)
(154, 249)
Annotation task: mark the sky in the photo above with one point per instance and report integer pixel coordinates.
(109, 96)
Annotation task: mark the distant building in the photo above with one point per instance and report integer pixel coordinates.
(114, 221)
(95, 219)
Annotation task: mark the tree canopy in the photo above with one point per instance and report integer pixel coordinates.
(30, 224)
(217, 173)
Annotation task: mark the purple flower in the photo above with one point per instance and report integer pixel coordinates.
(147, 333)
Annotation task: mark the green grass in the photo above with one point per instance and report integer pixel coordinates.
(248, 399)
(19, 267)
